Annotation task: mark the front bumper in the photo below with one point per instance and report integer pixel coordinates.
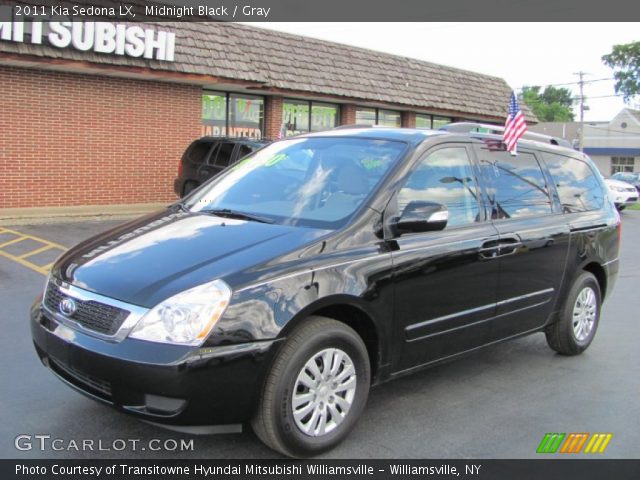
(625, 198)
(176, 385)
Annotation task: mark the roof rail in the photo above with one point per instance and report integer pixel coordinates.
(355, 125)
(466, 127)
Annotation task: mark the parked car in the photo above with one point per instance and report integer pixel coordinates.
(207, 157)
(622, 194)
(285, 287)
(632, 178)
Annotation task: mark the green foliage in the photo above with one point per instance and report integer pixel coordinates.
(551, 105)
(625, 62)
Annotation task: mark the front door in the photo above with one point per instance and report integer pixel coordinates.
(445, 281)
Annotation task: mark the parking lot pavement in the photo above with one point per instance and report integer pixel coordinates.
(498, 403)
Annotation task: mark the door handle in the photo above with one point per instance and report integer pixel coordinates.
(489, 249)
(509, 245)
(499, 247)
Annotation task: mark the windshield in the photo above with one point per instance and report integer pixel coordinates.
(315, 182)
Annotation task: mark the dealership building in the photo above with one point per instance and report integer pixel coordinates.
(99, 113)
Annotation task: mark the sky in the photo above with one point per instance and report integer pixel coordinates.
(521, 53)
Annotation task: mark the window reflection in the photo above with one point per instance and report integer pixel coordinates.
(446, 177)
(577, 186)
(316, 182)
(518, 186)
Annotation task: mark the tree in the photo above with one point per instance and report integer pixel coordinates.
(625, 62)
(552, 105)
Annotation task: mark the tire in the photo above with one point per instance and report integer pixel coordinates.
(318, 338)
(188, 188)
(620, 207)
(577, 322)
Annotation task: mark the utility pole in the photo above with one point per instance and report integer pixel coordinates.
(581, 75)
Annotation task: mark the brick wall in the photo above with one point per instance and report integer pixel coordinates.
(408, 119)
(71, 139)
(272, 117)
(347, 114)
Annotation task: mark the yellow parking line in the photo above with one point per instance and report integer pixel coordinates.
(22, 258)
(24, 263)
(37, 239)
(36, 251)
(11, 242)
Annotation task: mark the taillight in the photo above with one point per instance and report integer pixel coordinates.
(619, 231)
(180, 168)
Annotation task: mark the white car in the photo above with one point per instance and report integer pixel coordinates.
(621, 193)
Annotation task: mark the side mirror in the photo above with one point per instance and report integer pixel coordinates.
(419, 216)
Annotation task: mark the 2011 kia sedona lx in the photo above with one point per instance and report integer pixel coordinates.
(286, 286)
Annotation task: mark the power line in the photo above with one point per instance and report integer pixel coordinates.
(568, 83)
(601, 96)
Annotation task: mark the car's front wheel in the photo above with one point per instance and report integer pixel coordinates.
(316, 390)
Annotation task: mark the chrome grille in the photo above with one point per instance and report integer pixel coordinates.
(92, 315)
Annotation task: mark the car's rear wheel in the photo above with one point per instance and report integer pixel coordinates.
(316, 389)
(577, 322)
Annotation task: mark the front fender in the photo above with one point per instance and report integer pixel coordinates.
(270, 309)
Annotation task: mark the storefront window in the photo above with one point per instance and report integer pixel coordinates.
(389, 118)
(299, 116)
(365, 116)
(295, 116)
(214, 114)
(232, 115)
(377, 116)
(440, 121)
(423, 121)
(245, 116)
(323, 116)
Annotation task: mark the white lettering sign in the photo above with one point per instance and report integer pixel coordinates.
(100, 37)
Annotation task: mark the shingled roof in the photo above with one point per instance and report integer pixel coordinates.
(281, 61)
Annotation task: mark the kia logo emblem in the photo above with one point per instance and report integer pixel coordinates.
(67, 307)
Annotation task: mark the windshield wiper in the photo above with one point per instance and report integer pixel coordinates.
(227, 212)
(181, 206)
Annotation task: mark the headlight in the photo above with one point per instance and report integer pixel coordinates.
(618, 189)
(186, 318)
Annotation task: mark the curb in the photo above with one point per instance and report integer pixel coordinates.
(43, 215)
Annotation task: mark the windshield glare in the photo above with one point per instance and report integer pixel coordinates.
(316, 182)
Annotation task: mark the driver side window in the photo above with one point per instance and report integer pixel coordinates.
(444, 176)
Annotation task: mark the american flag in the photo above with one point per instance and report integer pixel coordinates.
(515, 125)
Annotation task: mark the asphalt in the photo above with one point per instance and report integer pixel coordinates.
(497, 403)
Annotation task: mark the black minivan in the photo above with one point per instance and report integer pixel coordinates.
(321, 265)
(206, 157)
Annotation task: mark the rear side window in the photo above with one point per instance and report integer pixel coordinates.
(576, 182)
(223, 156)
(515, 183)
(244, 150)
(198, 152)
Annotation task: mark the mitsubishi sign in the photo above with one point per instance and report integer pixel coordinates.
(99, 37)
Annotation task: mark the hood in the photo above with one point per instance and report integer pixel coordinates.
(610, 182)
(149, 260)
